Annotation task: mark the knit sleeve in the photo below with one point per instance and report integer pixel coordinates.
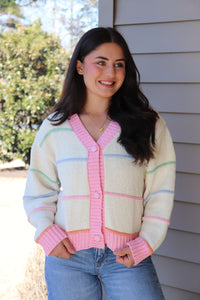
(158, 196)
(41, 191)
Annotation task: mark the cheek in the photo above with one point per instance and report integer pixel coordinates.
(91, 75)
(122, 75)
(91, 71)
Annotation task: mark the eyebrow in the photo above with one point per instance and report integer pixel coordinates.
(104, 58)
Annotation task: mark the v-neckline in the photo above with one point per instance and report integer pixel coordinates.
(85, 137)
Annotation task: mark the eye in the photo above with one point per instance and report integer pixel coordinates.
(119, 65)
(101, 63)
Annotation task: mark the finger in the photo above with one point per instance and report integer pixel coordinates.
(122, 252)
(120, 260)
(63, 252)
(124, 256)
(60, 251)
(125, 260)
(55, 252)
(68, 245)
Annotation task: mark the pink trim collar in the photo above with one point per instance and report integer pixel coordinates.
(84, 136)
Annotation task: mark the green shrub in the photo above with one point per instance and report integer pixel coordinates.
(32, 67)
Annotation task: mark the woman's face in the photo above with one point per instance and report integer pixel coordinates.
(103, 71)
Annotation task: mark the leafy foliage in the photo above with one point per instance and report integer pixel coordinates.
(10, 14)
(32, 66)
(9, 6)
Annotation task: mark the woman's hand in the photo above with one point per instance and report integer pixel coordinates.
(64, 249)
(124, 257)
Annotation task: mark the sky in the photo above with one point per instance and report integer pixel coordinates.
(45, 12)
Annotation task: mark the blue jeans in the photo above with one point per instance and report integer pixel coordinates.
(82, 276)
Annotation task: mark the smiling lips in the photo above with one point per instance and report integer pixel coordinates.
(107, 83)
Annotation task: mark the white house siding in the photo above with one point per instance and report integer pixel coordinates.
(164, 38)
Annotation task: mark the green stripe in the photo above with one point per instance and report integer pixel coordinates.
(54, 130)
(40, 172)
(162, 165)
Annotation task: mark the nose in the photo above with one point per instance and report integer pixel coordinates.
(110, 70)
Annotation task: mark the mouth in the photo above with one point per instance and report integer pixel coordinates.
(107, 83)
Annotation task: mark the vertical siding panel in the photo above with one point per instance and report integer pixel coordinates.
(162, 36)
(106, 13)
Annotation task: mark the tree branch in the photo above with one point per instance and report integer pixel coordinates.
(91, 2)
(30, 2)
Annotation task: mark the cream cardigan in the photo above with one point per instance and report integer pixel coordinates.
(93, 192)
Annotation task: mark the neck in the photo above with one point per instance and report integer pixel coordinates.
(95, 113)
(96, 107)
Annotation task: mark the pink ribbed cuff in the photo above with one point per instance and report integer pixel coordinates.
(140, 249)
(50, 238)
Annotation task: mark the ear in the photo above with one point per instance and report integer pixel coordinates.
(79, 67)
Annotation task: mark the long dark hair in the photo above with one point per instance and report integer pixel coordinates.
(129, 106)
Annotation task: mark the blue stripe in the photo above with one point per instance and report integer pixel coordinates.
(70, 159)
(158, 192)
(40, 196)
(118, 155)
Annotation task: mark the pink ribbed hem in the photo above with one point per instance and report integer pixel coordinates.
(85, 239)
(50, 238)
(116, 240)
(140, 249)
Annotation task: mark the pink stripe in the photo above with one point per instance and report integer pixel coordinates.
(124, 195)
(157, 218)
(41, 208)
(73, 197)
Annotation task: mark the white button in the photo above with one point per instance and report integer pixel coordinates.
(94, 148)
(97, 238)
(97, 195)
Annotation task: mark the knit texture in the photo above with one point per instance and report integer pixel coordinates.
(93, 192)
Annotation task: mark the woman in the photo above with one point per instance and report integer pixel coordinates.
(101, 181)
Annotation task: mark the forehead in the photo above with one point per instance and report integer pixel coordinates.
(107, 50)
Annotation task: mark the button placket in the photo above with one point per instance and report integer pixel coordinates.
(96, 195)
(97, 238)
(94, 148)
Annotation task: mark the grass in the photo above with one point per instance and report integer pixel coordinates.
(34, 287)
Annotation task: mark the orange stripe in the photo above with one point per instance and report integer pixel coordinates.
(80, 230)
(134, 235)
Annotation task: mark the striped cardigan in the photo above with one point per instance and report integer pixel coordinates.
(94, 194)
